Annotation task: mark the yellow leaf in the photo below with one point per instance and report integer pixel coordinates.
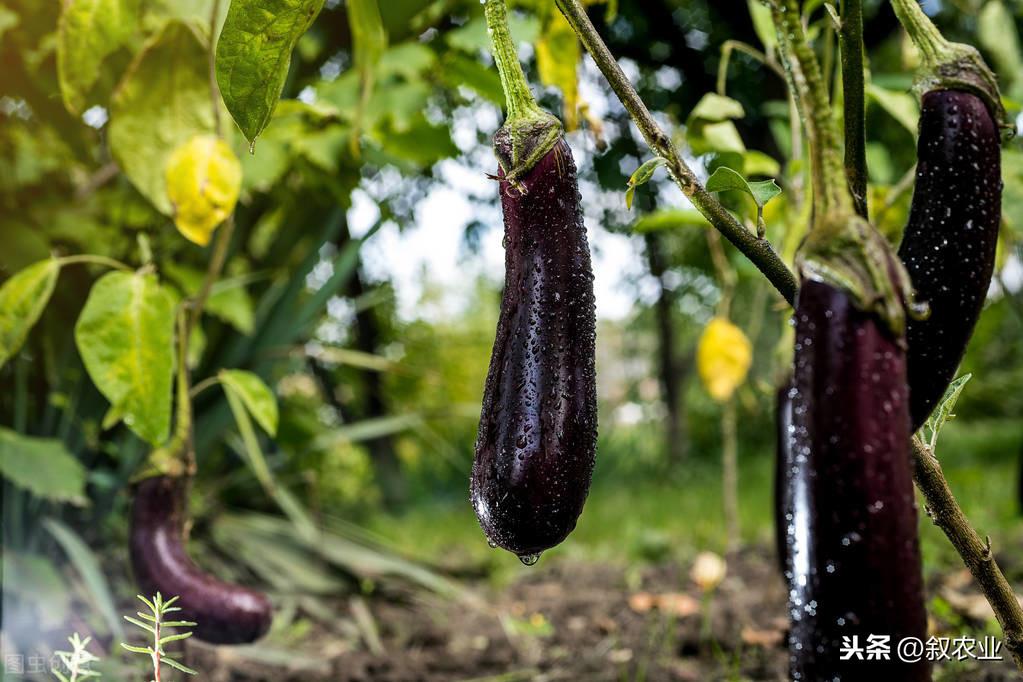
(203, 180)
(557, 56)
(723, 358)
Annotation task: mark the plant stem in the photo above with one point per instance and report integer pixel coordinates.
(758, 251)
(517, 94)
(156, 647)
(730, 476)
(730, 46)
(946, 513)
(94, 260)
(827, 176)
(212, 271)
(853, 67)
(924, 34)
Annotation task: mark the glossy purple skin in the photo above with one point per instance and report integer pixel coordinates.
(782, 462)
(853, 557)
(225, 613)
(538, 429)
(949, 243)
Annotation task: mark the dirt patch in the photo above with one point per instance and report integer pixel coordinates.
(561, 621)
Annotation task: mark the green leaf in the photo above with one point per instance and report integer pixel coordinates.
(87, 33)
(22, 300)
(714, 107)
(125, 336)
(763, 24)
(178, 666)
(943, 413)
(996, 29)
(43, 466)
(36, 580)
(725, 179)
(459, 70)
(901, 106)
(641, 176)
(252, 452)
(161, 103)
(670, 219)
(138, 623)
(473, 37)
(257, 397)
(254, 54)
(228, 300)
(88, 567)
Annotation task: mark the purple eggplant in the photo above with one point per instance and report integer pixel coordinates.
(225, 613)
(782, 462)
(853, 558)
(949, 244)
(537, 436)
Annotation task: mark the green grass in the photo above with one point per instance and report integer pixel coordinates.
(652, 518)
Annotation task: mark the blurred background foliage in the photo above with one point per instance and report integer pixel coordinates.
(378, 373)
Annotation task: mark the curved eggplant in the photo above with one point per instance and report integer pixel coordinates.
(853, 556)
(225, 613)
(537, 437)
(949, 244)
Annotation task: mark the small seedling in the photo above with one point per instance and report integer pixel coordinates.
(76, 662)
(155, 624)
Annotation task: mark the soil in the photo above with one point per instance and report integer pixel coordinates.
(571, 621)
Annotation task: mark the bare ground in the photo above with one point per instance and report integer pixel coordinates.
(570, 621)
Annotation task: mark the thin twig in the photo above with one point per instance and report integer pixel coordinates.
(102, 176)
(946, 513)
(758, 251)
(853, 67)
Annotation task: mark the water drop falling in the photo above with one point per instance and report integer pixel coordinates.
(529, 559)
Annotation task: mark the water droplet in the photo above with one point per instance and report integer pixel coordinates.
(529, 559)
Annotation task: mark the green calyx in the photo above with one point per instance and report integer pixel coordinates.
(528, 132)
(847, 252)
(521, 142)
(948, 65)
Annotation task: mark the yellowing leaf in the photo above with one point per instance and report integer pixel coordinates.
(162, 101)
(723, 358)
(203, 180)
(557, 56)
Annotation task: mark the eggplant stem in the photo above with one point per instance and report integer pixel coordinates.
(854, 103)
(758, 251)
(975, 552)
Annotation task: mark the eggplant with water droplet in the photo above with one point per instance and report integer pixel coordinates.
(782, 463)
(853, 558)
(949, 243)
(224, 613)
(537, 436)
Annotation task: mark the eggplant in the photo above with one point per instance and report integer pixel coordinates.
(782, 462)
(853, 557)
(537, 437)
(948, 246)
(224, 613)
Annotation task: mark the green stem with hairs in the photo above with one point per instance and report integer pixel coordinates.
(948, 65)
(528, 132)
(842, 248)
(851, 38)
(827, 174)
(757, 250)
